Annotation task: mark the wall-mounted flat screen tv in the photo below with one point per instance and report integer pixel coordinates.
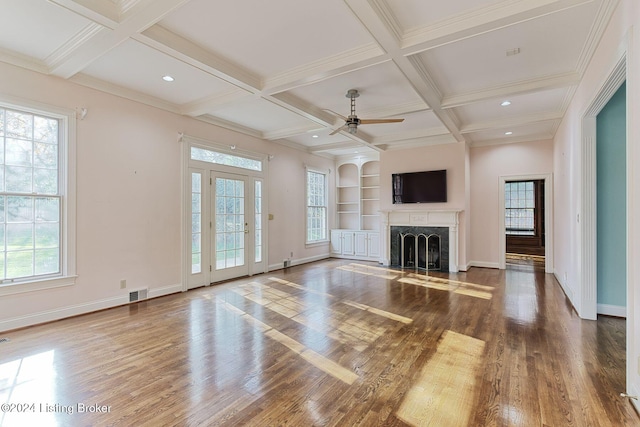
(420, 187)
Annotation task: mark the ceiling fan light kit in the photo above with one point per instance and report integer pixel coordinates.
(352, 122)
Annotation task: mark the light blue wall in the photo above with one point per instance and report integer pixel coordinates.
(611, 201)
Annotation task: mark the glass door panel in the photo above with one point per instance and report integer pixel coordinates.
(231, 227)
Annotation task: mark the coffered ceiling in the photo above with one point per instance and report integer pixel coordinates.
(278, 69)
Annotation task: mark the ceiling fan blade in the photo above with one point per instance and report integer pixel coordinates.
(337, 130)
(374, 121)
(335, 114)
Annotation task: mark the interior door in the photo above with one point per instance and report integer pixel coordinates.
(232, 216)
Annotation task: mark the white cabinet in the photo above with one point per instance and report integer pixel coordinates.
(342, 242)
(360, 248)
(352, 244)
(373, 245)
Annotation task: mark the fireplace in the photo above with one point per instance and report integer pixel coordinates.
(426, 240)
(422, 248)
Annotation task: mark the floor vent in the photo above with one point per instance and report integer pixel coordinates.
(138, 295)
(4, 340)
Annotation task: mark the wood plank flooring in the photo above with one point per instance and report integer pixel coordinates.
(332, 343)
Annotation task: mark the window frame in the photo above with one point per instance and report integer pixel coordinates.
(325, 205)
(517, 231)
(66, 194)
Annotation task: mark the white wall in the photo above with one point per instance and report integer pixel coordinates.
(621, 35)
(129, 201)
(488, 163)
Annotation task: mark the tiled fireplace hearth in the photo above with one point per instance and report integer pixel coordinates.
(426, 239)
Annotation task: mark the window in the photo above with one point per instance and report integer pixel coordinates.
(196, 223)
(520, 208)
(33, 198)
(258, 220)
(316, 207)
(219, 158)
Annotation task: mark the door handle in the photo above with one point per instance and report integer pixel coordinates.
(246, 228)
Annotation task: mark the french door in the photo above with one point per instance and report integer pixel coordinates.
(232, 221)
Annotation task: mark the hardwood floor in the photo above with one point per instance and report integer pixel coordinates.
(333, 343)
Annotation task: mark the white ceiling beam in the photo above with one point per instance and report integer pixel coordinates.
(184, 50)
(326, 68)
(511, 122)
(511, 89)
(378, 24)
(209, 103)
(101, 12)
(106, 39)
(480, 20)
(334, 146)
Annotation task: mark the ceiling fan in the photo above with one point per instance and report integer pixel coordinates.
(351, 123)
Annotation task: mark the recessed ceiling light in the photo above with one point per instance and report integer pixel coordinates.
(168, 78)
(505, 103)
(508, 133)
(314, 136)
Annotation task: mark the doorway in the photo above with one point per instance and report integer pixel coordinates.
(524, 224)
(231, 216)
(224, 200)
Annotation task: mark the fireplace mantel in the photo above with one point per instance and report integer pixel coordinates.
(421, 218)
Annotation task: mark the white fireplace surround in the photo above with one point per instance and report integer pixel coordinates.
(421, 218)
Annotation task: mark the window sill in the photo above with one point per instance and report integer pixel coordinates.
(36, 285)
(315, 244)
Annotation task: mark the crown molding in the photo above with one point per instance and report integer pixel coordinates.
(421, 142)
(58, 57)
(207, 118)
(540, 138)
(411, 135)
(105, 13)
(132, 95)
(510, 89)
(23, 61)
(607, 7)
(343, 145)
(480, 20)
(293, 131)
(205, 105)
(511, 122)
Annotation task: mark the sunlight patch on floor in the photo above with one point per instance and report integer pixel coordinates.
(455, 286)
(443, 394)
(328, 366)
(356, 333)
(369, 270)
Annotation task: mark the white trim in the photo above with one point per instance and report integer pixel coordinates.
(325, 173)
(548, 218)
(612, 310)
(67, 184)
(483, 264)
(78, 309)
(208, 169)
(587, 300)
(280, 266)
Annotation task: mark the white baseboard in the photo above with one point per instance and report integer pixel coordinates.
(483, 264)
(280, 266)
(78, 309)
(612, 310)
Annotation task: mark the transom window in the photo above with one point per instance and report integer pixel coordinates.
(219, 158)
(30, 196)
(316, 207)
